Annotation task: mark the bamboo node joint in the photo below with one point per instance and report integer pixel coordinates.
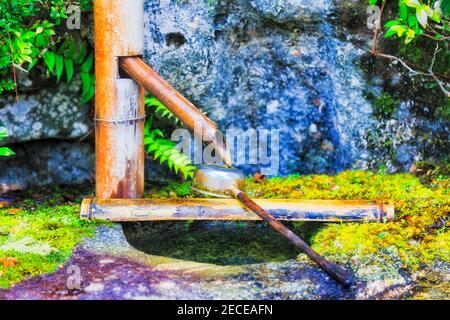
(119, 121)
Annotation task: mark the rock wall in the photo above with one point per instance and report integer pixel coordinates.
(298, 66)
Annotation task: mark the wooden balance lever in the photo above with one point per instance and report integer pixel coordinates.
(222, 181)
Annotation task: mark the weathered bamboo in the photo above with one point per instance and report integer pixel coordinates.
(232, 209)
(119, 103)
(182, 108)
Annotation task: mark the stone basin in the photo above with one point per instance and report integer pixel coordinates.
(172, 260)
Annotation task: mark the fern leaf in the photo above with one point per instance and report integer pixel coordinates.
(160, 108)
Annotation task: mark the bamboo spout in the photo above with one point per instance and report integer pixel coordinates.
(182, 108)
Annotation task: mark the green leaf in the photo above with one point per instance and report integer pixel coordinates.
(68, 63)
(403, 12)
(28, 35)
(161, 109)
(157, 132)
(46, 24)
(410, 34)
(49, 32)
(40, 41)
(421, 15)
(6, 152)
(445, 7)
(148, 140)
(32, 64)
(163, 158)
(412, 3)
(64, 46)
(157, 154)
(170, 163)
(85, 81)
(71, 51)
(49, 59)
(88, 87)
(152, 147)
(391, 23)
(87, 64)
(82, 53)
(412, 22)
(59, 62)
(399, 29)
(88, 96)
(165, 151)
(390, 33)
(3, 133)
(435, 16)
(165, 147)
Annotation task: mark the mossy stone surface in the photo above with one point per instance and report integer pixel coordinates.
(416, 241)
(418, 235)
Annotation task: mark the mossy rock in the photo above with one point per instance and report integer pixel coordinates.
(419, 236)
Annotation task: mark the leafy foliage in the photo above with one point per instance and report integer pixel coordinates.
(161, 109)
(161, 148)
(5, 151)
(419, 18)
(33, 32)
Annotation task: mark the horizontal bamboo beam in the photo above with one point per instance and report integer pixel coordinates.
(232, 209)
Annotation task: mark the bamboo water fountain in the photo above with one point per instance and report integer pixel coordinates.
(119, 127)
(119, 136)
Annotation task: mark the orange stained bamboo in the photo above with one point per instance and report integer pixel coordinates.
(119, 103)
(182, 108)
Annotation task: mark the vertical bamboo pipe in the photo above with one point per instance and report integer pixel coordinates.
(119, 102)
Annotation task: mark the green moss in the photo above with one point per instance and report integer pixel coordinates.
(416, 236)
(412, 236)
(411, 239)
(443, 111)
(385, 105)
(212, 2)
(169, 189)
(414, 53)
(40, 240)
